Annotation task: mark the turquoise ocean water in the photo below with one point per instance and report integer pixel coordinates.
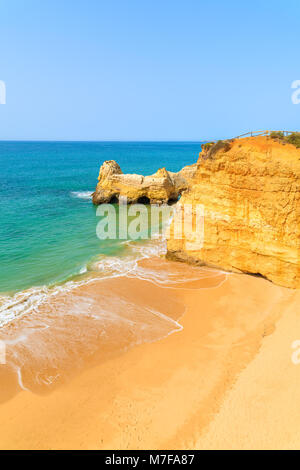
(48, 222)
(61, 304)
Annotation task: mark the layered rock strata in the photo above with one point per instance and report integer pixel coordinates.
(159, 188)
(250, 192)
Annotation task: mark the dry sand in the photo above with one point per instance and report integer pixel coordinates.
(225, 380)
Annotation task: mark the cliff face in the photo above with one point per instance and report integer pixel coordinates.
(162, 187)
(250, 192)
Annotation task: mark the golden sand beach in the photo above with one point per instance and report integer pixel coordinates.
(220, 376)
(149, 227)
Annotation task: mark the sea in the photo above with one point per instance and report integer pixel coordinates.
(48, 221)
(49, 248)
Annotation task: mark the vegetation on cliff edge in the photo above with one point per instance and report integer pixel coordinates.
(293, 138)
(211, 148)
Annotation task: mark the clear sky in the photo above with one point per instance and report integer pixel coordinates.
(147, 69)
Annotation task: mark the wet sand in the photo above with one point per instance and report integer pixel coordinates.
(212, 367)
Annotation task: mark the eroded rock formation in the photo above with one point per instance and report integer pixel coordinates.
(250, 191)
(162, 187)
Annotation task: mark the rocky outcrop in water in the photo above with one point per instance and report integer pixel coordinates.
(250, 192)
(161, 187)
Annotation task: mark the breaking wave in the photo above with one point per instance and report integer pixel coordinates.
(50, 331)
(82, 194)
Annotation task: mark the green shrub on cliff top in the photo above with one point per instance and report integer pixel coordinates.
(215, 147)
(277, 135)
(207, 146)
(293, 138)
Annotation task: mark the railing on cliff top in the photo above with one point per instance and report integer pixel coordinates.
(262, 133)
(256, 134)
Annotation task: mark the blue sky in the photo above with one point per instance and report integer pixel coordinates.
(147, 70)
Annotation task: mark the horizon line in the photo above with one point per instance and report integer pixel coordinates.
(98, 141)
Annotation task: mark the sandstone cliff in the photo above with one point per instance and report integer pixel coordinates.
(250, 191)
(162, 187)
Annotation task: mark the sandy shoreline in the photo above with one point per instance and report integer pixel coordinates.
(224, 380)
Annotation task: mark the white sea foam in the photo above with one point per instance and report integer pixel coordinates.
(56, 327)
(30, 300)
(82, 194)
(63, 335)
(24, 302)
(105, 267)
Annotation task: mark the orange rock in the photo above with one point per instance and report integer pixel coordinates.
(162, 187)
(250, 192)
